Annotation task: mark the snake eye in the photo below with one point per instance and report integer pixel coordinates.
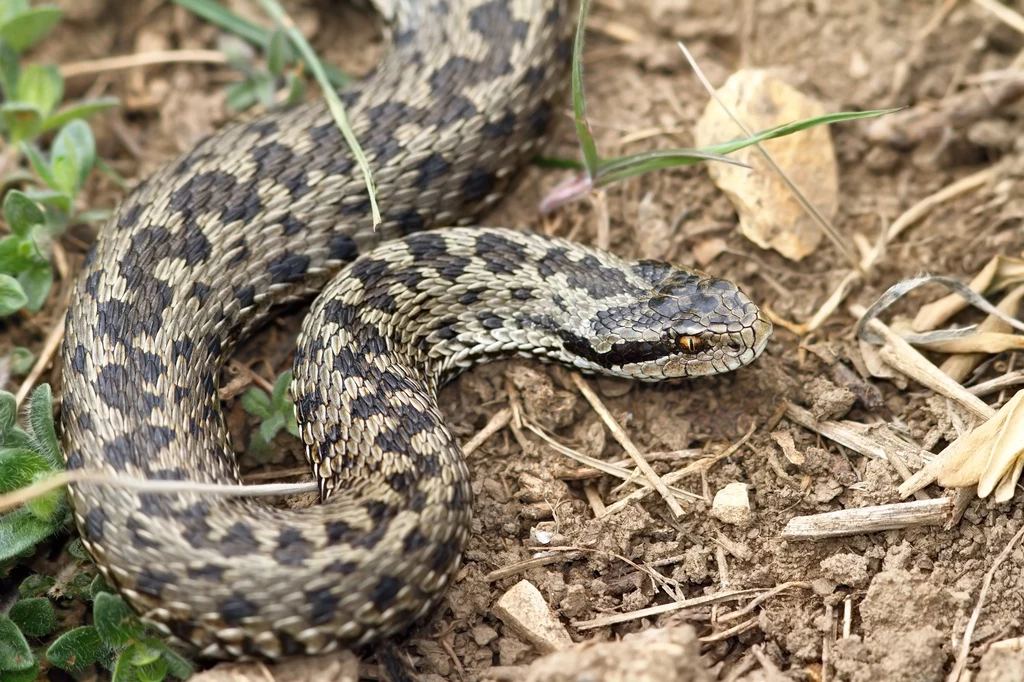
(690, 344)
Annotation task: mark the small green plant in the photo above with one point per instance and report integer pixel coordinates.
(119, 642)
(276, 411)
(31, 108)
(27, 619)
(279, 83)
(31, 94)
(27, 457)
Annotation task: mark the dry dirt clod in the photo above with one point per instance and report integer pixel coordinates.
(524, 610)
(769, 214)
(732, 505)
(655, 655)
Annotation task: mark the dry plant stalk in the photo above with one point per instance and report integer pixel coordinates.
(960, 367)
(900, 355)
(868, 519)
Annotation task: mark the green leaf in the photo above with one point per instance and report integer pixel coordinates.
(19, 467)
(39, 164)
(22, 360)
(296, 89)
(55, 202)
(143, 654)
(34, 616)
(14, 651)
(21, 213)
(76, 649)
(124, 671)
(20, 531)
(73, 156)
(77, 549)
(9, 9)
(12, 255)
(47, 507)
(177, 665)
(98, 586)
(256, 402)
(279, 399)
(794, 127)
(41, 86)
(292, 425)
(586, 139)
(10, 72)
(12, 296)
(44, 431)
(152, 672)
(270, 427)
(95, 215)
(216, 13)
(78, 111)
(279, 53)
(114, 620)
(24, 30)
(21, 120)
(244, 94)
(35, 585)
(30, 674)
(36, 282)
(78, 586)
(8, 414)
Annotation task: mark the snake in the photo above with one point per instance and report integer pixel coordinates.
(272, 209)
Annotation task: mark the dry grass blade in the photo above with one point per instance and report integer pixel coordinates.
(900, 355)
(922, 208)
(965, 647)
(22, 495)
(999, 273)
(990, 456)
(131, 61)
(627, 444)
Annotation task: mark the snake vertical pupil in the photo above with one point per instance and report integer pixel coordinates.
(691, 344)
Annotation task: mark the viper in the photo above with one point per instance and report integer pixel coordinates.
(273, 209)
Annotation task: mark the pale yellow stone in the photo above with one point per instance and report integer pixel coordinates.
(769, 214)
(524, 610)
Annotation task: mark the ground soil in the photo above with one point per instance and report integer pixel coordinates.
(910, 592)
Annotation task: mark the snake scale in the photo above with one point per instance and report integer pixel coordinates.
(272, 209)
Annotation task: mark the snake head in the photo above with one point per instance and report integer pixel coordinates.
(691, 325)
(713, 326)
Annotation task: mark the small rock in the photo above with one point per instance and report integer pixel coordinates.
(483, 634)
(575, 602)
(511, 650)
(769, 214)
(732, 505)
(524, 610)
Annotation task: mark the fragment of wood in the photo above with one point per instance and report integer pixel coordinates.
(869, 519)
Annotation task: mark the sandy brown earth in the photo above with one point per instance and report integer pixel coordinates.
(904, 595)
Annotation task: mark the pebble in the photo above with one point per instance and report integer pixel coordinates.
(524, 610)
(732, 505)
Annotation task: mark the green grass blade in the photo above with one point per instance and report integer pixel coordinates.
(579, 107)
(273, 8)
(644, 162)
(219, 15)
(794, 127)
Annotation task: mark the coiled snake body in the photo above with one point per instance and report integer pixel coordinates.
(269, 210)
